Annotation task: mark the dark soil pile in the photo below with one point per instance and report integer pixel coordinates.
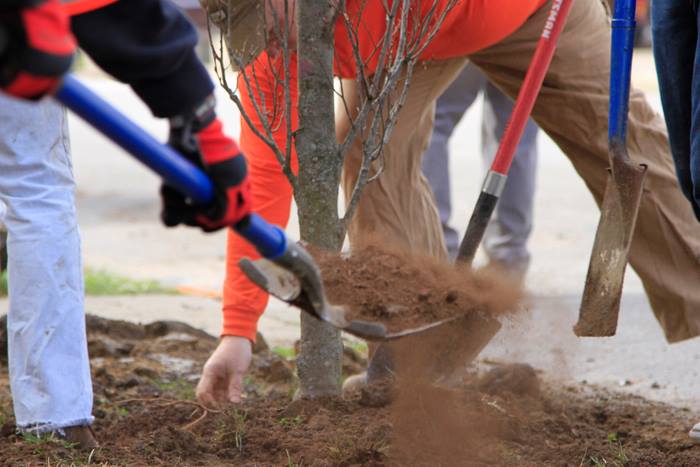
(146, 415)
(405, 291)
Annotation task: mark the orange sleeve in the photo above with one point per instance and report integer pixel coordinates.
(469, 26)
(244, 302)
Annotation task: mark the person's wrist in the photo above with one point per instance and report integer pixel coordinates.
(232, 338)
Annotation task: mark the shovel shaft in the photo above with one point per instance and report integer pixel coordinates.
(268, 239)
(483, 210)
(623, 26)
(160, 158)
(495, 179)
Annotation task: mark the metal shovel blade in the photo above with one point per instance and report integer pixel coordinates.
(308, 295)
(600, 305)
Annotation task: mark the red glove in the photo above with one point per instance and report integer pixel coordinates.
(39, 49)
(219, 157)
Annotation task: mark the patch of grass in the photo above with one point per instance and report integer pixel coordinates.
(239, 418)
(359, 347)
(291, 463)
(117, 410)
(100, 282)
(58, 455)
(47, 440)
(618, 457)
(180, 389)
(290, 422)
(351, 451)
(621, 458)
(285, 352)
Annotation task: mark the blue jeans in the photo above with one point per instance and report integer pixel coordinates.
(674, 25)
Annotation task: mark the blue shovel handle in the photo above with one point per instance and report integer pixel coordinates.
(268, 239)
(623, 26)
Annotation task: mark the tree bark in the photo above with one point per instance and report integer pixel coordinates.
(319, 363)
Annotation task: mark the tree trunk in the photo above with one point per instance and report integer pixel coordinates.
(319, 363)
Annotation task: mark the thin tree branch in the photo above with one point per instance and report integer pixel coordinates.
(411, 44)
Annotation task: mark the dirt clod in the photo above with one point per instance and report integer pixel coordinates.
(517, 378)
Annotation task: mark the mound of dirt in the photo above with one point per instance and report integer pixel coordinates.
(406, 291)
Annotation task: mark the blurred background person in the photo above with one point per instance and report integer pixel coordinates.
(505, 241)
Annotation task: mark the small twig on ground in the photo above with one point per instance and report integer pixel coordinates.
(169, 402)
(194, 423)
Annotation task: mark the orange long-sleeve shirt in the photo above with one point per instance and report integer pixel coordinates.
(470, 26)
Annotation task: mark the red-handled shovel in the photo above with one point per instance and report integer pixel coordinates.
(496, 178)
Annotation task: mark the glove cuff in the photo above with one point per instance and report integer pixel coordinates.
(196, 118)
(184, 126)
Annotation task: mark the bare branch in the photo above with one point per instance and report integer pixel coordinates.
(383, 72)
(406, 43)
(263, 118)
(262, 110)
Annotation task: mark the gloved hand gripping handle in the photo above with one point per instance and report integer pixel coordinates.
(270, 240)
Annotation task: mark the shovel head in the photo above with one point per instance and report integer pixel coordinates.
(307, 294)
(600, 305)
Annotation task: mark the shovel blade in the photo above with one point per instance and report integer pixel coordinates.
(273, 279)
(286, 286)
(600, 305)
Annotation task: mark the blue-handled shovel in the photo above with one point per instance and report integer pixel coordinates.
(600, 306)
(294, 269)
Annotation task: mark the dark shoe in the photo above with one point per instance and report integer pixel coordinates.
(81, 436)
(380, 370)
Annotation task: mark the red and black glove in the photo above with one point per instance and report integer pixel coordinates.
(201, 140)
(38, 47)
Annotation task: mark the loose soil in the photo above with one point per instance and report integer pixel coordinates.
(144, 378)
(405, 291)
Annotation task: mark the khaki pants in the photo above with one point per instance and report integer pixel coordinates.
(572, 108)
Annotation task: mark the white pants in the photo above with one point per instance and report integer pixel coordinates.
(49, 366)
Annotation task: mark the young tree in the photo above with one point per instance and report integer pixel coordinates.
(411, 24)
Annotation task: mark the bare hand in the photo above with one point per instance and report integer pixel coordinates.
(222, 376)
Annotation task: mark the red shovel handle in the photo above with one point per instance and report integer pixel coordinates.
(496, 178)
